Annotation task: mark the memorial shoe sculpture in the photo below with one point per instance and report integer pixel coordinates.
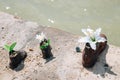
(45, 46)
(16, 57)
(95, 43)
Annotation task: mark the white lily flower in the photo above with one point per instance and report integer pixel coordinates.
(41, 37)
(92, 37)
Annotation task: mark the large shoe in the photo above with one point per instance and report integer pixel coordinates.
(90, 56)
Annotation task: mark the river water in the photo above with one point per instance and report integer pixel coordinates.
(70, 15)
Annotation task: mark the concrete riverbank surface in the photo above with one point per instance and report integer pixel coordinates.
(67, 64)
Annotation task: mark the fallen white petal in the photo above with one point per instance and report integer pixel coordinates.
(51, 21)
(51, 0)
(7, 7)
(85, 9)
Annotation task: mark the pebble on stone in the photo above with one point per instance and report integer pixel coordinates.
(30, 49)
(2, 27)
(78, 49)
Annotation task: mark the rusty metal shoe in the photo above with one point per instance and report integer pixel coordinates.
(90, 56)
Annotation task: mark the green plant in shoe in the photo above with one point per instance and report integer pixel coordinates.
(44, 46)
(10, 47)
(16, 57)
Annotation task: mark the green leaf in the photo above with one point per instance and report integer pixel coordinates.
(7, 47)
(45, 45)
(12, 46)
(48, 41)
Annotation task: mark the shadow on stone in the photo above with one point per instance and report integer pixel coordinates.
(102, 67)
(20, 66)
(49, 59)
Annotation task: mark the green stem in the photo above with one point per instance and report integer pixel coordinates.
(93, 39)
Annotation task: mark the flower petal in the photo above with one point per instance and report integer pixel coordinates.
(37, 36)
(97, 32)
(85, 32)
(93, 45)
(101, 39)
(84, 39)
(41, 37)
(90, 30)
